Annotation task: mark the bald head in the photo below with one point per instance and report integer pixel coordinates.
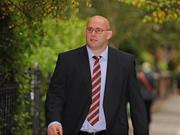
(98, 33)
(100, 19)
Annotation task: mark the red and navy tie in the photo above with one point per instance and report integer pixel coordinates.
(93, 114)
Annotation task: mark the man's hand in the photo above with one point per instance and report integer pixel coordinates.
(55, 129)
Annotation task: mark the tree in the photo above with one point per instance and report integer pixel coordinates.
(22, 32)
(158, 11)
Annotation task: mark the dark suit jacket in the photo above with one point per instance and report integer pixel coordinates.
(69, 94)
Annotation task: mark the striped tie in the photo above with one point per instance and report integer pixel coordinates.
(93, 114)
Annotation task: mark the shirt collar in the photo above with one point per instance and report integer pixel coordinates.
(104, 54)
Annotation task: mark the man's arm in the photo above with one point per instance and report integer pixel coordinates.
(138, 112)
(56, 96)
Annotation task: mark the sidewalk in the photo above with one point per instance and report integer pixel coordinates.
(166, 116)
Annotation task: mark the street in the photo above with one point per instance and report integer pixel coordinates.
(166, 117)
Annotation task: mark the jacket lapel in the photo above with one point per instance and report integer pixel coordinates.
(111, 71)
(85, 69)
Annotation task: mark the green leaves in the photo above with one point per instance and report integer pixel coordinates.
(158, 11)
(59, 36)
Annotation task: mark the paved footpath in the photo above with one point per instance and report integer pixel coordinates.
(166, 117)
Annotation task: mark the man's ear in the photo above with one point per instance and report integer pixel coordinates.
(109, 34)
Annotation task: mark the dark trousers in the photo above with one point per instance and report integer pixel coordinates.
(148, 104)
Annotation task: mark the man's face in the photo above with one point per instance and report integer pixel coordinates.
(97, 33)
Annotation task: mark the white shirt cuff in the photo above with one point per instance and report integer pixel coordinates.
(54, 122)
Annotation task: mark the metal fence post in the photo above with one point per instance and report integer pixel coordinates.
(36, 90)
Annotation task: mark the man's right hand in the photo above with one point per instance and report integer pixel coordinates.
(55, 129)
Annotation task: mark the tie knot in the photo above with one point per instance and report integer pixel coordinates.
(97, 58)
